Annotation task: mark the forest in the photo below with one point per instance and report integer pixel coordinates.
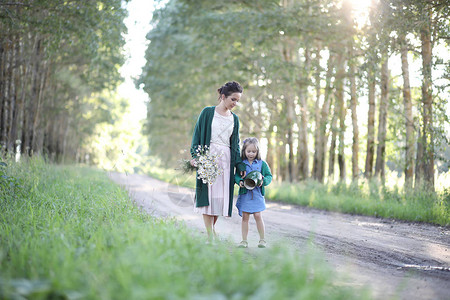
(59, 67)
(318, 88)
(350, 102)
(334, 93)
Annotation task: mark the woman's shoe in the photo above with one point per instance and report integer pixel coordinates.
(243, 244)
(262, 244)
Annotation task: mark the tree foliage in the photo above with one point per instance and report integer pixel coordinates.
(56, 58)
(303, 65)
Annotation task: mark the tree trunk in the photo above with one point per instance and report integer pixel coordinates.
(64, 139)
(33, 109)
(382, 120)
(29, 106)
(290, 137)
(409, 123)
(332, 155)
(341, 110)
(303, 153)
(270, 149)
(338, 112)
(316, 116)
(20, 83)
(2, 81)
(11, 93)
(281, 156)
(427, 159)
(290, 116)
(353, 106)
(370, 126)
(38, 128)
(419, 161)
(323, 137)
(6, 95)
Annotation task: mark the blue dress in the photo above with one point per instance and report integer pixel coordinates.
(252, 201)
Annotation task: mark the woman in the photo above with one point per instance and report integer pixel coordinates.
(218, 128)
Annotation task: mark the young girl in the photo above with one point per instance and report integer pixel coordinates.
(252, 202)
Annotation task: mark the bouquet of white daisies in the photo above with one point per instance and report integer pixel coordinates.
(205, 163)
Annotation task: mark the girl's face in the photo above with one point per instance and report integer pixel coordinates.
(251, 152)
(231, 101)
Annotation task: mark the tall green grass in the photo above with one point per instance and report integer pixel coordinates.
(366, 198)
(70, 233)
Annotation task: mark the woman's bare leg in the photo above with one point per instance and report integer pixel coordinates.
(259, 225)
(245, 219)
(213, 226)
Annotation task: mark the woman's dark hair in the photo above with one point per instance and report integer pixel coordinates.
(250, 141)
(229, 88)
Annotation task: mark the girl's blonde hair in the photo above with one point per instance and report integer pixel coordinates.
(250, 141)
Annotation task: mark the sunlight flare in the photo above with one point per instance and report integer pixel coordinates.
(360, 10)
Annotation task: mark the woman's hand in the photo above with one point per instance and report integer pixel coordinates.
(193, 163)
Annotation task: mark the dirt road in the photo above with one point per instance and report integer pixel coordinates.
(395, 260)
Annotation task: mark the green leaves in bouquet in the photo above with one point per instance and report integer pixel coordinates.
(186, 167)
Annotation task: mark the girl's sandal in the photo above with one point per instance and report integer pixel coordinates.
(262, 244)
(243, 244)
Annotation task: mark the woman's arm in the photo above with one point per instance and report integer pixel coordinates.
(240, 166)
(237, 177)
(197, 134)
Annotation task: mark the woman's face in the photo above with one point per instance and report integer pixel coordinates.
(231, 101)
(251, 152)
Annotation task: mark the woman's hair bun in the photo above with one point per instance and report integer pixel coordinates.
(229, 88)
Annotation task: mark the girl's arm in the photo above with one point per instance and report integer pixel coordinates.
(267, 175)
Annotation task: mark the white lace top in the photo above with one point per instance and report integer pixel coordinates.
(222, 129)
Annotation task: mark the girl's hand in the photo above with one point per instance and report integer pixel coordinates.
(260, 185)
(241, 183)
(243, 173)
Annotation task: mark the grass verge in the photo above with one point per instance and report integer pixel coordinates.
(70, 233)
(366, 198)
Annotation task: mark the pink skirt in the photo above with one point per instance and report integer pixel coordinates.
(219, 191)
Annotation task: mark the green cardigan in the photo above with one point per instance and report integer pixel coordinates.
(265, 171)
(202, 136)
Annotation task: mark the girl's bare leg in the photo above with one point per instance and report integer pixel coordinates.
(208, 220)
(259, 224)
(245, 219)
